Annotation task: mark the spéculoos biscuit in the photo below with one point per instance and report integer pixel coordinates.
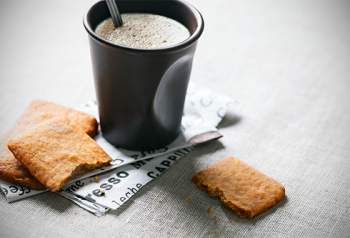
(54, 151)
(37, 112)
(245, 190)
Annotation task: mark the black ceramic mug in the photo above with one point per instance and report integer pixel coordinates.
(141, 92)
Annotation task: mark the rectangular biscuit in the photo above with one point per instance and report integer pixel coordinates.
(54, 151)
(240, 187)
(13, 171)
(37, 112)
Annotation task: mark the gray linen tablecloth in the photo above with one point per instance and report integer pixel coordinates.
(285, 63)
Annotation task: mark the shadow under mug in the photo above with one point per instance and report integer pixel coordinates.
(141, 92)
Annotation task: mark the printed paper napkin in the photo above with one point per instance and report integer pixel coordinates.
(109, 187)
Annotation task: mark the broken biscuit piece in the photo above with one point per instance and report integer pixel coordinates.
(240, 187)
(54, 151)
(13, 171)
(37, 112)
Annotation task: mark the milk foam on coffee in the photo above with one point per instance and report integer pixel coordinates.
(143, 31)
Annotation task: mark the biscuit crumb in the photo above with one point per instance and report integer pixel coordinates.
(189, 200)
(102, 192)
(210, 211)
(215, 219)
(96, 179)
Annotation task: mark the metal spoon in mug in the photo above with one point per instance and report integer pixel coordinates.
(113, 10)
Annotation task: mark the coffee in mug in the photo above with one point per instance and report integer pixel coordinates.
(141, 70)
(144, 31)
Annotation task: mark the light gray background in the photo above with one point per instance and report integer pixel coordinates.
(285, 63)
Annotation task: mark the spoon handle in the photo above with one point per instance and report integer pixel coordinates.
(113, 9)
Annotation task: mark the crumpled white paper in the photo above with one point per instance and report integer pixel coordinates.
(111, 186)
